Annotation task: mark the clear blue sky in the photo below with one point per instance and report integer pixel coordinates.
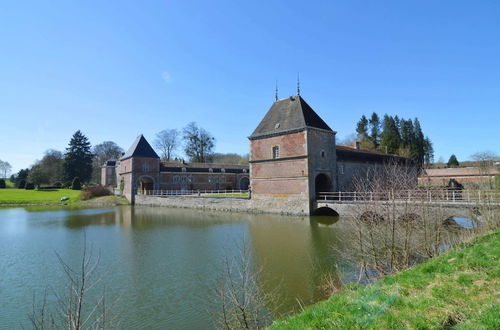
(115, 69)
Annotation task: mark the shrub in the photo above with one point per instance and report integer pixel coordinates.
(21, 184)
(29, 186)
(95, 191)
(76, 184)
(2, 184)
(57, 185)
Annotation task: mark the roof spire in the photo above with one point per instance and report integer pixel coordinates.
(276, 91)
(298, 84)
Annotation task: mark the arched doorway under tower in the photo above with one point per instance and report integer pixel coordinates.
(322, 183)
(145, 183)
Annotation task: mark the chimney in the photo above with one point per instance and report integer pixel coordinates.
(358, 145)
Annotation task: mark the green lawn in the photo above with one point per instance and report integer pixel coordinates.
(458, 290)
(22, 196)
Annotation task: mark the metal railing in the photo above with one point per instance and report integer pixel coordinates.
(418, 195)
(195, 193)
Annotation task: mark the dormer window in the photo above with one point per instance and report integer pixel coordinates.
(276, 152)
(277, 126)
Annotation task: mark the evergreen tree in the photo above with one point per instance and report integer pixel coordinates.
(453, 161)
(375, 129)
(390, 140)
(362, 128)
(428, 152)
(78, 158)
(419, 143)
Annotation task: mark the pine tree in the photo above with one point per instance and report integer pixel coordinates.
(453, 161)
(419, 143)
(362, 127)
(390, 140)
(375, 129)
(78, 158)
(428, 152)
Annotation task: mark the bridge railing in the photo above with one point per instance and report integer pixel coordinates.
(430, 195)
(195, 193)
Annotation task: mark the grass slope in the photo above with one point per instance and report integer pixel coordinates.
(459, 290)
(22, 196)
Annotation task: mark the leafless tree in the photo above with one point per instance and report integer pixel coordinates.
(75, 309)
(167, 142)
(107, 150)
(5, 169)
(199, 143)
(484, 161)
(243, 303)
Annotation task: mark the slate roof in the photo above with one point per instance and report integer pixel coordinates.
(360, 155)
(140, 148)
(290, 114)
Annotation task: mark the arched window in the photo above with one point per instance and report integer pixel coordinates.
(276, 152)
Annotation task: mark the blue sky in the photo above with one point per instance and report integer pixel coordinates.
(115, 69)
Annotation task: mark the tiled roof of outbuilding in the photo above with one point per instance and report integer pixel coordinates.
(140, 148)
(288, 114)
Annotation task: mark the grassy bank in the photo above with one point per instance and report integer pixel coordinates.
(22, 196)
(38, 197)
(459, 290)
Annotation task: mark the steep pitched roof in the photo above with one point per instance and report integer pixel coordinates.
(140, 148)
(288, 114)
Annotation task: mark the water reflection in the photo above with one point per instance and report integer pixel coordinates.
(163, 263)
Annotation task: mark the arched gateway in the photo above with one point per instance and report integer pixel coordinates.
(322, 183)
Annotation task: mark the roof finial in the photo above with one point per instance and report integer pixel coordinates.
(298, 84)
(276, 91)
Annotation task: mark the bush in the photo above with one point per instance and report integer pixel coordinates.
(76, 184)
(2, 184)
(21, 184)
(95, 191)
(57, 185)
(29, 186)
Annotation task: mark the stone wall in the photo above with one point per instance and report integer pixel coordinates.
(294, 205)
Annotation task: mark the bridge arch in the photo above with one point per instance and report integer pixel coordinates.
(322, 183)
(325, 210)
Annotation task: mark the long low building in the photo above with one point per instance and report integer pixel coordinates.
(464, 175)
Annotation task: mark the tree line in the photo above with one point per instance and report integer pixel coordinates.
(197, 144)
(394, 135)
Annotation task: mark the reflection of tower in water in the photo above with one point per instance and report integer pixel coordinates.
(295, 256)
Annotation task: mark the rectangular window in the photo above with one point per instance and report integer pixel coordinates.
(276, 152)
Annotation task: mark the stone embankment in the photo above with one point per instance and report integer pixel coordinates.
(279, 205)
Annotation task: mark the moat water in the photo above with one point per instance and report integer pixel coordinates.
(161, 266)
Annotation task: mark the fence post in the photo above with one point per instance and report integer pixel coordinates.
(453, 196)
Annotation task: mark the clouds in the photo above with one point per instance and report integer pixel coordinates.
(166, 77)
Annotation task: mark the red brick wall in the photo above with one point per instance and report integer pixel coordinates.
(277, 169)
(290, 145)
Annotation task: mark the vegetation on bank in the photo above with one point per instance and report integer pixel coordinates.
(460, 289)
(53, 196)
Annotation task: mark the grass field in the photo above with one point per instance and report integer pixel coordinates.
(458, 290)
(22, 196)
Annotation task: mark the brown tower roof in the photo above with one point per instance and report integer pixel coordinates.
(140, 148)
(290, 114)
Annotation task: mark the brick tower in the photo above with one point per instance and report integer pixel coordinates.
(292, 157)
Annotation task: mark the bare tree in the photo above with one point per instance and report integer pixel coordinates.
(5, 169)
(167, 142)
(199, 143)
(74, 309)
(243, 303)
(484, 161)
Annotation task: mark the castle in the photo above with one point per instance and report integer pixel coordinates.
(293, 156)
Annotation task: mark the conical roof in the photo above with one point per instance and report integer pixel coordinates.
(140, 148)
(290, 114)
